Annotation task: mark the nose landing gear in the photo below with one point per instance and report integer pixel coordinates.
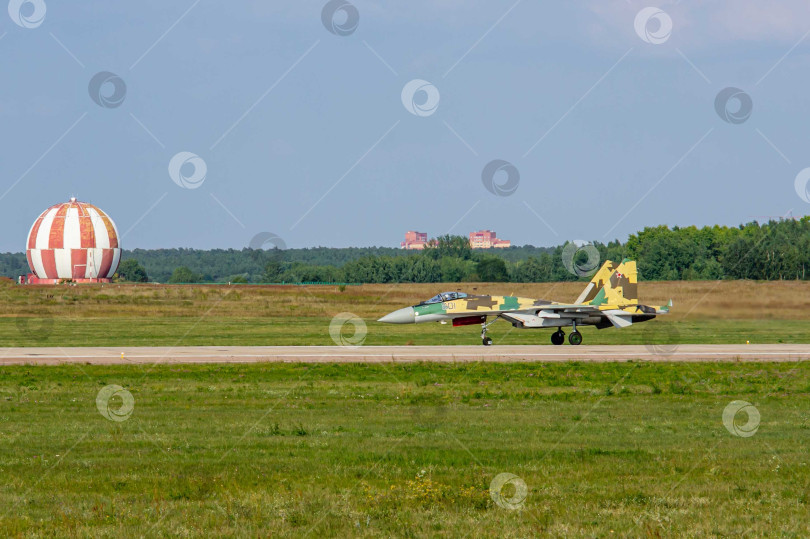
(486, 341)
(558, 337)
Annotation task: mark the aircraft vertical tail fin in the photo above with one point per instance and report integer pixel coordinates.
(597, 282)
(621, 288)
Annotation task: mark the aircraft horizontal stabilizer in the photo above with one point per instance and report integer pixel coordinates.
(619, 318)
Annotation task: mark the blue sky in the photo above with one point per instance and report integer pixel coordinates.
(303, 133)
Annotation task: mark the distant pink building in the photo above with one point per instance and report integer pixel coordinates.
(414, 240)
(485, 239)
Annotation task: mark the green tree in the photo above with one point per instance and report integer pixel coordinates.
(272, 272)
(184, 275)
(778, 249)
(491, 269)
(455, 270)
(533, 270)
(423, 270)
(447, 245)
(130, 270)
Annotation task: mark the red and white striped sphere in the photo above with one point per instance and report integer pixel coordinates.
(73, 240)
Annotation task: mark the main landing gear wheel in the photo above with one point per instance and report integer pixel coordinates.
(575, 338)
(558, 337)
(487, 341)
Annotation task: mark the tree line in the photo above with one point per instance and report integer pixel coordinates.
(771, 251)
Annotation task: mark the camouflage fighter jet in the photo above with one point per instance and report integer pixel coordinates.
(610, 299)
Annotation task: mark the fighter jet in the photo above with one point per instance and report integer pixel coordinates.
(609, 300)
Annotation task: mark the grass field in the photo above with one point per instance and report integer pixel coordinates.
(110, 315)
(605, 450)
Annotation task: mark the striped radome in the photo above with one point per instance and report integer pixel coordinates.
(73, 240)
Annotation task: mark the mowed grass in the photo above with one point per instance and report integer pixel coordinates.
(128, 315)
(605, 450)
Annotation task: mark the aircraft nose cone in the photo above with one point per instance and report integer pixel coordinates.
(400, 316)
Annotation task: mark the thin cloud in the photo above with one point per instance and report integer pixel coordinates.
(708, 24)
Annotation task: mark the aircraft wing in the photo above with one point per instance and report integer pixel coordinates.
(550, 310)
(586, 308)
(561, 309)
(543, 316)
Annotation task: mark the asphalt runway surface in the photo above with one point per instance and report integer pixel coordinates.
(398, 354)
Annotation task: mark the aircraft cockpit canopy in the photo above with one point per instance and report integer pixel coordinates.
(446, 296)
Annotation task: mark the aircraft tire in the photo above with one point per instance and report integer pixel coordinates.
(557, 338)
(487, 341)
(575, 338)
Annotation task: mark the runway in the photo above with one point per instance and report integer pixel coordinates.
(401, 354)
